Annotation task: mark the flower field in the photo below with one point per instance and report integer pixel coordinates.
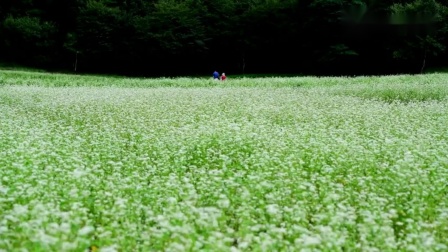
(263, 164)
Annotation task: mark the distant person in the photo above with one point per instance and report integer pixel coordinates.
(215, 75)
(223, 77)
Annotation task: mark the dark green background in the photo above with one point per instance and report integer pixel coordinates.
(196, 37)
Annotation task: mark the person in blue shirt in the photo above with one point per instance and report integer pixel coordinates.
(215, 75)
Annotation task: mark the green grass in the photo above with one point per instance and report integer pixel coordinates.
(252, 164)
(15, 67)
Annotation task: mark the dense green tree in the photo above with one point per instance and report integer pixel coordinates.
(172, 37)
(424, 30)
(29, 40)
(102, 32)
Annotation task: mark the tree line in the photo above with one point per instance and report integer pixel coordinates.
(188, 37)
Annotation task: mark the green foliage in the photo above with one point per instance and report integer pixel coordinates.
(176, 27)
(29, 37)
(336, 52)
(162, 36)
(97, 28)
(427, 22)
(416, 12)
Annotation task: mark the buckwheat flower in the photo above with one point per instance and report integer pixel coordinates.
(68, 246)
(3, 229)
(86, 230)
(77, 173)
(272, 209)
(234, 249)
(3, 190)
(307, 240)
(223, 201)
(20, 210)
(112, 248)
(46, 239)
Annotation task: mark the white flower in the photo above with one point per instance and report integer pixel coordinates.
(86, 230)
(223, 202)
(272, 209)
(113, 248)
(307, 240)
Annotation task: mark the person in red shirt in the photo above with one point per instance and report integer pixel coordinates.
(223, 77)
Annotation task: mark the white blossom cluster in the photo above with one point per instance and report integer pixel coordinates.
(324, 166)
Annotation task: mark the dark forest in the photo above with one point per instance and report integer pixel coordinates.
(196, 37)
